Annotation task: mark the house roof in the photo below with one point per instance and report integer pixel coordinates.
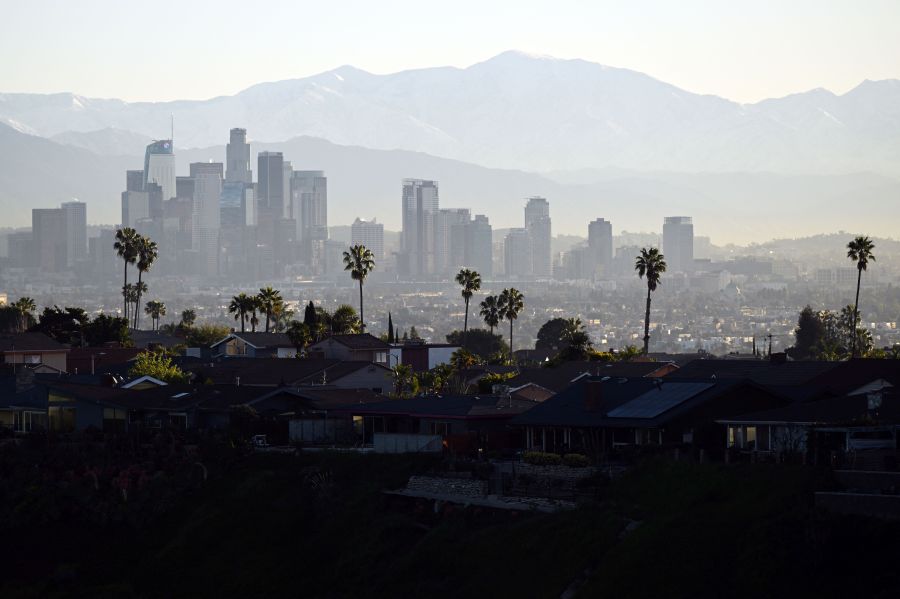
(600, 402)
(259, 340)
(277, 371)
(465, 407)
(763, 372)
(558, 378)
(25, 342)
(848, 376)
(830, 410)
(358, 342)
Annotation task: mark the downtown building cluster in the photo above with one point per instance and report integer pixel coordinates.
(219, 221)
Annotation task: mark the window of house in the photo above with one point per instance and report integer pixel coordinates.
(440, 428)
(178, 421)
(750, 438)
(381, 356)
(62, 419)
(31, 358)
(114, 420)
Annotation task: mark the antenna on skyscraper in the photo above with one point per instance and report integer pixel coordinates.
(172, 116)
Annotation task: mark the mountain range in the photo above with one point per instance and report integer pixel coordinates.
(597, 141)
(516, 111)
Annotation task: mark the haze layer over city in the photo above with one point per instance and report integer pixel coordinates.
(590, 270)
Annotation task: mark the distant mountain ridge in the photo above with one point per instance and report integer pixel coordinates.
(513, 111)
(740, 207)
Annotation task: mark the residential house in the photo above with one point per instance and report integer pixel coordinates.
(33, 348)
(363, 347)
(254, 345)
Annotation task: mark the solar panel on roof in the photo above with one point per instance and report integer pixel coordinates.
(656, 401)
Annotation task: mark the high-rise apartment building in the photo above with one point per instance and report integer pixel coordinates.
(678, 243)
(159, 167)
(477, 246)
(420, 204)
(369, 233)
(76, 231)
(237, 158)
(537, 223)
(600, 246)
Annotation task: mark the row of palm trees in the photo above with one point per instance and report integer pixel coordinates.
(140, 250)
(267, 302)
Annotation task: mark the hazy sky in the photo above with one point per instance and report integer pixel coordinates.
(164, 49)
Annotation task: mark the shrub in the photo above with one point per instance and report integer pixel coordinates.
(539, 458)
(576, 460)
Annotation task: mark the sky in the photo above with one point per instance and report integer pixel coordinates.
(196, 49)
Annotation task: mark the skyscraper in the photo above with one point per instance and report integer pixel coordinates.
(449, 227)
(76, 231)
(678, 243)
(478, 246)
(420, 205)
(518, 253)
(287, 171)
(270, 189)
(600, 245)
(49, 244)
(207, 178)
(370, 234)
(237, 158)
(159, 167)
(537, 223)
(309, 206)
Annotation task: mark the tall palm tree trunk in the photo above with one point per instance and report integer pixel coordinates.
(466, 324)
(647, 325)
(125, 294)
(853, 346)
(510, 341)
(243, 320)
(137, 303)
(267, 321)
(362, 314)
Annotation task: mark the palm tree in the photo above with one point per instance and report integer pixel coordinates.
(860, 251)
(299, 334)
(188, 318)
(239, 306)
(155, 309)
(360, 261)
(510, 303)
(25, 306)
(126, 248)
(490, 311)
(254, 305)
(471, 282)
(147, 254)
(651, 264)
(269, 299)
(137, 290)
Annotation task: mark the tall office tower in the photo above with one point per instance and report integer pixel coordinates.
(678, 243)
(420, 206)
(518, 253)
(270, 171)
(135, 207)
(207, 178)
(159, 167)
(49, 244)
(370, 234)
(134, 180)
(309, 205)
(76, 231)
(537, 223)
(600, 244)
(479, 246)
(449, 221)
(287, 170)
(237, 158)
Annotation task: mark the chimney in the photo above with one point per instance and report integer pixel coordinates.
(593, 396)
